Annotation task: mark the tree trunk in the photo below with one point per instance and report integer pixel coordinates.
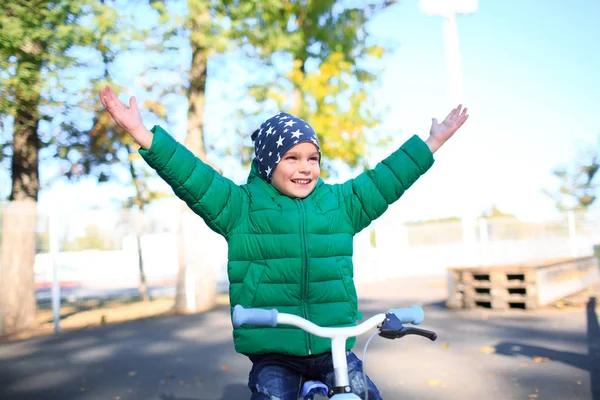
(194, 141)
(139, 226)
(143, 284)
(180, 291)
(17, 286)
(201, 289)
(297, 104)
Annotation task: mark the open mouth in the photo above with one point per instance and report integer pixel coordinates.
(301, 181)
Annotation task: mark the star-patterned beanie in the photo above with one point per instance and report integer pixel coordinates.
(276, 136)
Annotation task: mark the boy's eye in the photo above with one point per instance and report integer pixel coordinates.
(290, 158)
(314, 159)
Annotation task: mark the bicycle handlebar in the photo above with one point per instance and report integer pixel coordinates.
(389, 324)
(254, 316)
(412, 315)
(262, 317)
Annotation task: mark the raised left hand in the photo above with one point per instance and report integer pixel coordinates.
(441, 132)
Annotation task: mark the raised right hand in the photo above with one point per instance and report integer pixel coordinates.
(129, 119)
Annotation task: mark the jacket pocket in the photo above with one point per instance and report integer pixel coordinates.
(344, 277)
(251, 282)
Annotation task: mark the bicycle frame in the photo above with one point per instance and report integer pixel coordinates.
(338, 338)
(339, 335)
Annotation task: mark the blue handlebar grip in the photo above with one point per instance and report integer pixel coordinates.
(253, 316)
(412, 315)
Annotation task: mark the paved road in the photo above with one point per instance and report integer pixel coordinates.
(546, 354)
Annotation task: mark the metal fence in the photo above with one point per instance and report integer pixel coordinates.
(432, 247)
(95, 255)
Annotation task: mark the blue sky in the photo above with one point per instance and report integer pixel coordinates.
(530, 81)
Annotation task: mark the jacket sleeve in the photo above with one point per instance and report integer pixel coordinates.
(367, 196)
(213, 197)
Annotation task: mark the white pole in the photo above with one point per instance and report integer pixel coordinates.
(484, 241)
(572, 233)
(469, 238)
(453, 62)
(54, 248)
(448, 9)
(454, 70)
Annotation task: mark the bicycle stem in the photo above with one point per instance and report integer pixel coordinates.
(338, 338)
(338, 353)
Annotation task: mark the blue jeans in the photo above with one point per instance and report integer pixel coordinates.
(280, 377)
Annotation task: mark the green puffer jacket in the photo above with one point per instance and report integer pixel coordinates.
(294, 255)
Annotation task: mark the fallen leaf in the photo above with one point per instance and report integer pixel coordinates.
(169, 375)
(488, 350)
(132, 373)
(533, 396)
(579, 382)
(181, 383)
(225, 368)
(82, 389)
(434, 382)
(445, 345)
(541, 359)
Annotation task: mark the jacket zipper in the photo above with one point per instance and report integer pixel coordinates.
(304, 285)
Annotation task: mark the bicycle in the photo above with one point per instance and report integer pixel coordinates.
(389, 324)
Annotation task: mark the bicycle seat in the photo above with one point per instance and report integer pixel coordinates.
(311, 388)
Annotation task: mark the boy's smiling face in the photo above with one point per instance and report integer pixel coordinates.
(297, 173)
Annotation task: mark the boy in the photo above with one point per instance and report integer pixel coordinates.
(289, 235)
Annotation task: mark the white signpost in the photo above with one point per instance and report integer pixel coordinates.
(448, 9)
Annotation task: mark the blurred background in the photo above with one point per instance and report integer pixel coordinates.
(83, 219)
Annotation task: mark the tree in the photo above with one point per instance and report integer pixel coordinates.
(41, 43)
(205, 32)
(142, 197)
(578, 185)
(326, 43)
(328, 72)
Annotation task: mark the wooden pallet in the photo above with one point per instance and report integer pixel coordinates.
(501, 303)
(500, 291)
(498, 276)
(513, 286)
